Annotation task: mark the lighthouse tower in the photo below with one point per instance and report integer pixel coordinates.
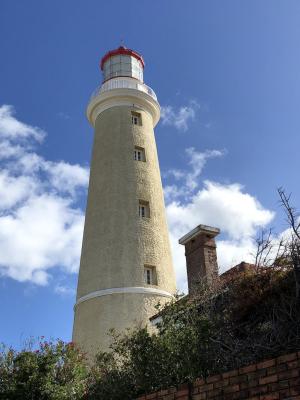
(126, 266)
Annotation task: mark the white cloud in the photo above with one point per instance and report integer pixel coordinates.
(236, 213)
(197, 161)
(66, 177)
(40, 224)
(191, 202)
(14, 189)
(64, 290)
(179, 118)
(8, 151)
(188, 180)
(11, 128)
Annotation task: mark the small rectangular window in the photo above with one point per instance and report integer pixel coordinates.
(136, 118)
(144, 210)
(150, 275)
(139, 154)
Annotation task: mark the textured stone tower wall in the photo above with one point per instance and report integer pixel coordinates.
(117, 242)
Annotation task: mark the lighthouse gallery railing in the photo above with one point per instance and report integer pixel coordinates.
(121, 83)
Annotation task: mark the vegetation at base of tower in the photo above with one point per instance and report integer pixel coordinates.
(43, 370)
(240, 320)
(255, 317)
(233, 323)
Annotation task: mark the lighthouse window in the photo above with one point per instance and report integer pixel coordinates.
(150, 275)
(139, 154)
(144, 210)
(136, 118)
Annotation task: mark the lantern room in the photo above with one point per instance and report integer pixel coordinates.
(122, 62)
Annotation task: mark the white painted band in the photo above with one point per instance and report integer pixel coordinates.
(134, 289)
(119, 97)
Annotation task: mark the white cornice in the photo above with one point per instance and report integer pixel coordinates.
(123, 96)
(133, 289)
(200, 229)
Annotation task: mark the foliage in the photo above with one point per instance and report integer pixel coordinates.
(53, 371)
(224, 326)
(254, 317)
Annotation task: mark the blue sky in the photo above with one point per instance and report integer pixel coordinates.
(227, 77)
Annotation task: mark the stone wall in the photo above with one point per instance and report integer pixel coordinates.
(273, 379)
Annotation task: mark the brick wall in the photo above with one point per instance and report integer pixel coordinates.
(274, 379)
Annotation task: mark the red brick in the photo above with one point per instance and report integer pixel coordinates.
(263, 381)
(229, 374)
(170, 396)
(199, 381)
(284, 394)
(292, 373)
(214, 378)
(271, 396)
(268, 379)
(293, 364)
(243, 394)
(151, 396)
(200, 396)
(222, 383)
(181, 393)
(206, 388)
(238, 379)
(271, 370)
(283, 384)
(295, 390)
(274, 387)
(286, 358)
(294, 382)
(214, 393)
(248, 368)
(234, 396)
(258, 374)
(258, 390)
(281, 367)
(163, 392)
(252, 383)
(266, 364)
(232, 389)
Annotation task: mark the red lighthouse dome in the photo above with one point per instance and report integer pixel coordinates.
(122, 62)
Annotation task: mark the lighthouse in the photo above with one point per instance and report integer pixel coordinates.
(126, 265)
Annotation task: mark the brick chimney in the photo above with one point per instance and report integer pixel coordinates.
(201, 255)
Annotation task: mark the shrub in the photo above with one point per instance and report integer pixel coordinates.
(53, 371)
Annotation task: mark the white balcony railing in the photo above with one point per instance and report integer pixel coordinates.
(123, 83)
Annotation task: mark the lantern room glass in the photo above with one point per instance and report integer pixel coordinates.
(122, 65)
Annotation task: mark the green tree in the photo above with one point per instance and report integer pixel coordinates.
(54, 371)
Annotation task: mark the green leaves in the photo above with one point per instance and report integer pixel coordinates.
(255, 316)
(221, 328)
(53, 371)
